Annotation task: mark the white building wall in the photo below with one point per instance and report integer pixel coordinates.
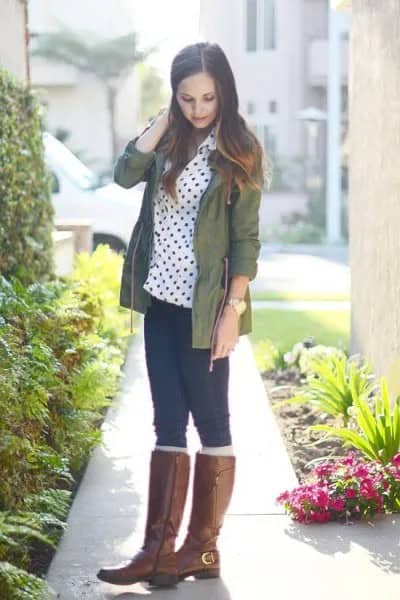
(12, 38)
(294, 75)
(267, 75)
(77, 101)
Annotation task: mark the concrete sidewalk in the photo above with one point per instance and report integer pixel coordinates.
(302, 304)
(300, 268)
(264, 554)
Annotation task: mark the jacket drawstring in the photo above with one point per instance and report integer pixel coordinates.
(132, 273)
(228, 195)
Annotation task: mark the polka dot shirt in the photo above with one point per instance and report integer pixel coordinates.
(173, 269)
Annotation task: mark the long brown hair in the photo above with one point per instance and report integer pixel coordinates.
(239, 156)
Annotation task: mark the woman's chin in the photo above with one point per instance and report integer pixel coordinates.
(201, 124)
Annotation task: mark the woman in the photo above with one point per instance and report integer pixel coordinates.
(192, 253)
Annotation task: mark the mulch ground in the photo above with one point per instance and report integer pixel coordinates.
(294, 419)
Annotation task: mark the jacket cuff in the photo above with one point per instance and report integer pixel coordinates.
(140, 158)
(243, 266)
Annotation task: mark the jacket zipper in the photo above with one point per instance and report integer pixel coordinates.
(221, 307)
(201, 205)
(132, 273)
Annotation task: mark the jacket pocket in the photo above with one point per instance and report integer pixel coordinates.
(223, 292)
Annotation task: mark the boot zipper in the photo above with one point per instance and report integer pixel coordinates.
(132, 273)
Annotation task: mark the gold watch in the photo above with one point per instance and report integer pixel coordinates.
(238, 304)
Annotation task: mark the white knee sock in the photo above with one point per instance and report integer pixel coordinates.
(171, 448)
(217, 450)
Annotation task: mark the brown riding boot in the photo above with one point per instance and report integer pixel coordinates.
(156, 560)
(212, 490)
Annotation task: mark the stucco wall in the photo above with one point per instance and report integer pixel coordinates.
(374, 212)
(77, 101)
(12, 37)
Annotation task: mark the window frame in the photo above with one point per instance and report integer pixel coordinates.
(260, 27)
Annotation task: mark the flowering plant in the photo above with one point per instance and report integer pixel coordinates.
(313, 356)
(292, 357)
(347, 488)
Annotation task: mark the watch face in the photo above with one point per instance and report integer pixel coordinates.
(242, 306)
(238, 305)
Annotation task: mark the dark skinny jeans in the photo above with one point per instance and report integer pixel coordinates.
(180, 380)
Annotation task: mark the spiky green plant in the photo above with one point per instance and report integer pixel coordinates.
(334, 385)
(379, 437)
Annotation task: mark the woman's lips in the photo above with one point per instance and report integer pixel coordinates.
(199, 120)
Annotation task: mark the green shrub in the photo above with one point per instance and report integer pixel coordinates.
(61, 350)
(25, 199)
(17, 584)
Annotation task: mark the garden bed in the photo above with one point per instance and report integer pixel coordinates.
(293, 421)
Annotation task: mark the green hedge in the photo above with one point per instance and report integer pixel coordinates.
(62, 344)
(26, 212)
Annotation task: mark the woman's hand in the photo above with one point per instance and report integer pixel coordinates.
(163, 114)
(227, 333)
(152, 134)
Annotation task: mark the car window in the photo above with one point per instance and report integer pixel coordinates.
(58, 154)
(55, 183)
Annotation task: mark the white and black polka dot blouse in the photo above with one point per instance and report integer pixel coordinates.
(173, 269)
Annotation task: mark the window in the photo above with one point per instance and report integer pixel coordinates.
(260, 25)
(269, 140)
(273, 106)
(250, 108)
(269, 24)
(266, 136)
(251, 43)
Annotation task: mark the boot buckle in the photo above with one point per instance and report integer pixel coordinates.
(207, 558)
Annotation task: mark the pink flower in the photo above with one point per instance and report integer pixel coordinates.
(324, 469)
(284, 497)
(321, 495)
(321, 498)
(337, 504)
(361, 471)
(366, 489)
(396, 460)
(349, 459)
(321, 517)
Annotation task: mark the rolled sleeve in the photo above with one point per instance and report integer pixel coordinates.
(244, 233)
(133, 165)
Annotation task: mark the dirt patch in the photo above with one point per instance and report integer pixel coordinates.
(293, 421)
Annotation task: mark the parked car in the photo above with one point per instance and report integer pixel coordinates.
(79, 194)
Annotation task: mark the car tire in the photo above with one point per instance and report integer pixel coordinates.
(115, 243)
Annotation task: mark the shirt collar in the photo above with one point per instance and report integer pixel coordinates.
(209, 142)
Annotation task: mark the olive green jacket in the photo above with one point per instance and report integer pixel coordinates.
(226, 242)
